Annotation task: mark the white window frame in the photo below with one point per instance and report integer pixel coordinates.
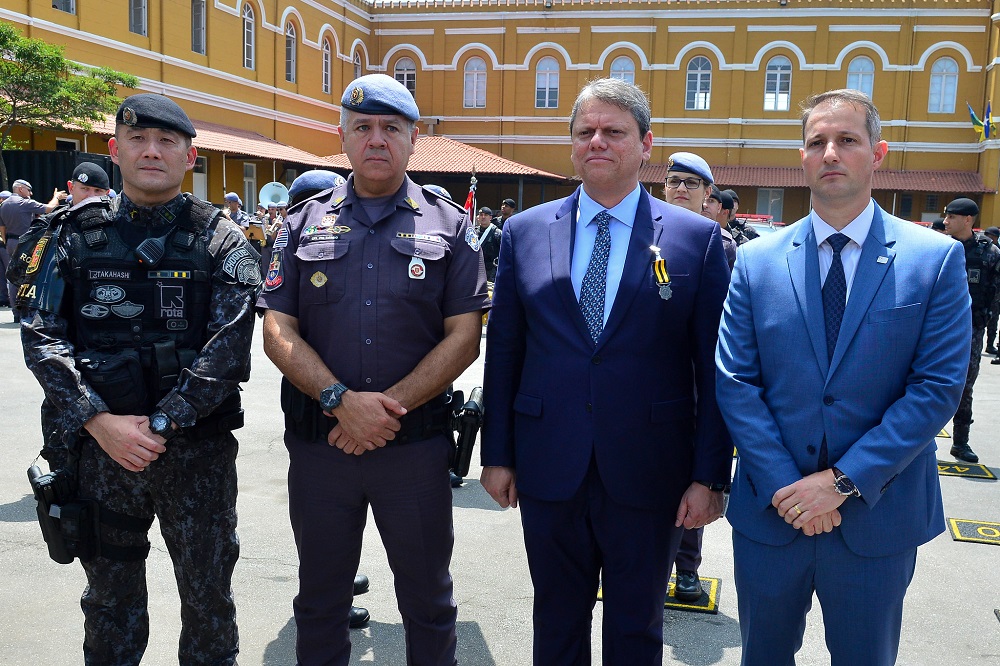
(698, 86)
(138, 17)
(861, 75)
(291, 52)
(68, 6)
(357, 65)
(327, 65)
(547, 83)
(771, 201)
(474, 88)
(778, 84)
(198, 26)
(249, 38)
(249, 186)
(405, 71)
(944, 86)
(74, 142)
(623, 69)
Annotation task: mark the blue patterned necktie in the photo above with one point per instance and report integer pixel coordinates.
(834, 293)
(594, 287)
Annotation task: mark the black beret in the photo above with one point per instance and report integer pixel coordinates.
(721, 197)
(962, 206)
(380, 95)
(938, 224)
(733, 194)
(92, 175)
(993, 231)
(509, 202)
(487, 210)
(150, 110)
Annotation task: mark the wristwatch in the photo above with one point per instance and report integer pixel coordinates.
(843, 485)
(161, 424)
(717, 487)
(331, 396)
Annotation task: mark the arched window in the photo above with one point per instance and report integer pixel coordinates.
(778, 84)
(406, 73)
(357, 65)
(198, 26)
(475, 83)
(944, 86)
(861, 75)
(290, 49)
(327, 61)
(623, 68)
(698, 94)
(249, 60)
(547, 84)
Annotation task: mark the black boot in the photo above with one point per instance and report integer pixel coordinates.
(960, 448)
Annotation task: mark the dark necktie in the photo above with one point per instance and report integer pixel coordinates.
(834, 293)
(594, 287)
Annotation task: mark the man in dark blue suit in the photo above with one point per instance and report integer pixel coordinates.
(601, 420)
(843, 351)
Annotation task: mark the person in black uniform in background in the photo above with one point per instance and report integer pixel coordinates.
(993, 233)
(982, 264)
(137, 322)
(373, 306)
(489, 241)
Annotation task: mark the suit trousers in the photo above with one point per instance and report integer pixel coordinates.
(574, 545)
(861, 598)
(408, 489)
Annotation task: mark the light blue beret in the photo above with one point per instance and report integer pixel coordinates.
(380, 95)
(690, 163)
(317, 179)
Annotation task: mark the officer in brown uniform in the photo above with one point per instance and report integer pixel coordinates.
(373, 306)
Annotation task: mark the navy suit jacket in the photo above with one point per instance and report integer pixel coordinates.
(895, 379)
(642, 401)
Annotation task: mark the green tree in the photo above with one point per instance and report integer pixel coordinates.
(41, 89)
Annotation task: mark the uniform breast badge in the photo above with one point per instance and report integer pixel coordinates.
(318, 279)
(417, 269)
(660, 274)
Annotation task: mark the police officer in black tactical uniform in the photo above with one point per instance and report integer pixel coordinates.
(138, 317)
(982, 263)
(374, 297)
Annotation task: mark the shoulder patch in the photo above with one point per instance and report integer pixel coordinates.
(472, 239)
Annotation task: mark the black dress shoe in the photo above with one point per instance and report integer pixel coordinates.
(360, 584)
(991, 349)
(359, 617)
(995, 361)
(964, 453)
(687, 586)
(456, 480)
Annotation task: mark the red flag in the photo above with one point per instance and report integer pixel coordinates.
(470, 201)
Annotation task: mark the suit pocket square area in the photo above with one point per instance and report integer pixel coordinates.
(528, 405)
(894, 314)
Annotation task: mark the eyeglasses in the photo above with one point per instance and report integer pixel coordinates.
(689, 183)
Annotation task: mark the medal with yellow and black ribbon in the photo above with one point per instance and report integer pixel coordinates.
(660, 273)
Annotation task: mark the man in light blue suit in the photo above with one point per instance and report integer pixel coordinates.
(840, 357)
(601, 421)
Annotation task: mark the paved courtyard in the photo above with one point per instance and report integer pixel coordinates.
(949, 617)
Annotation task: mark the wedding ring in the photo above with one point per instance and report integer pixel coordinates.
(797, 509)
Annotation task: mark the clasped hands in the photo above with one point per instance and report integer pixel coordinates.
(811, 504)
(365, 421)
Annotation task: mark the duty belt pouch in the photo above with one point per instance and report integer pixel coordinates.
(303, 416)
(117, 377)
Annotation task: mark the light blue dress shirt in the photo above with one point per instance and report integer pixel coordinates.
(586, 234)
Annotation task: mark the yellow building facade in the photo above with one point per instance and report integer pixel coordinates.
(724, 77)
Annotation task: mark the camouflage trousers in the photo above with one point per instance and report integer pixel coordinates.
(963, 417)
(192, 491)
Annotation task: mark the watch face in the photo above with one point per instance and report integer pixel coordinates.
(160, 423)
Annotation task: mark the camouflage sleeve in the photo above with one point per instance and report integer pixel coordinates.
(224, 360)
(48, 353)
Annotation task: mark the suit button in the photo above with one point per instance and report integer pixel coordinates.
(596, 360)
(811, 449)
(828, 400)
(590, 408)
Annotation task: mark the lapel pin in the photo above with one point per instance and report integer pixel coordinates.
(882, 260)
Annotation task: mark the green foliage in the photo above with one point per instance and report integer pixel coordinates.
(40, 88)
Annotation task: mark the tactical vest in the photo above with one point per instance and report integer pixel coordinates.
(120, 301)
(976, 268)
